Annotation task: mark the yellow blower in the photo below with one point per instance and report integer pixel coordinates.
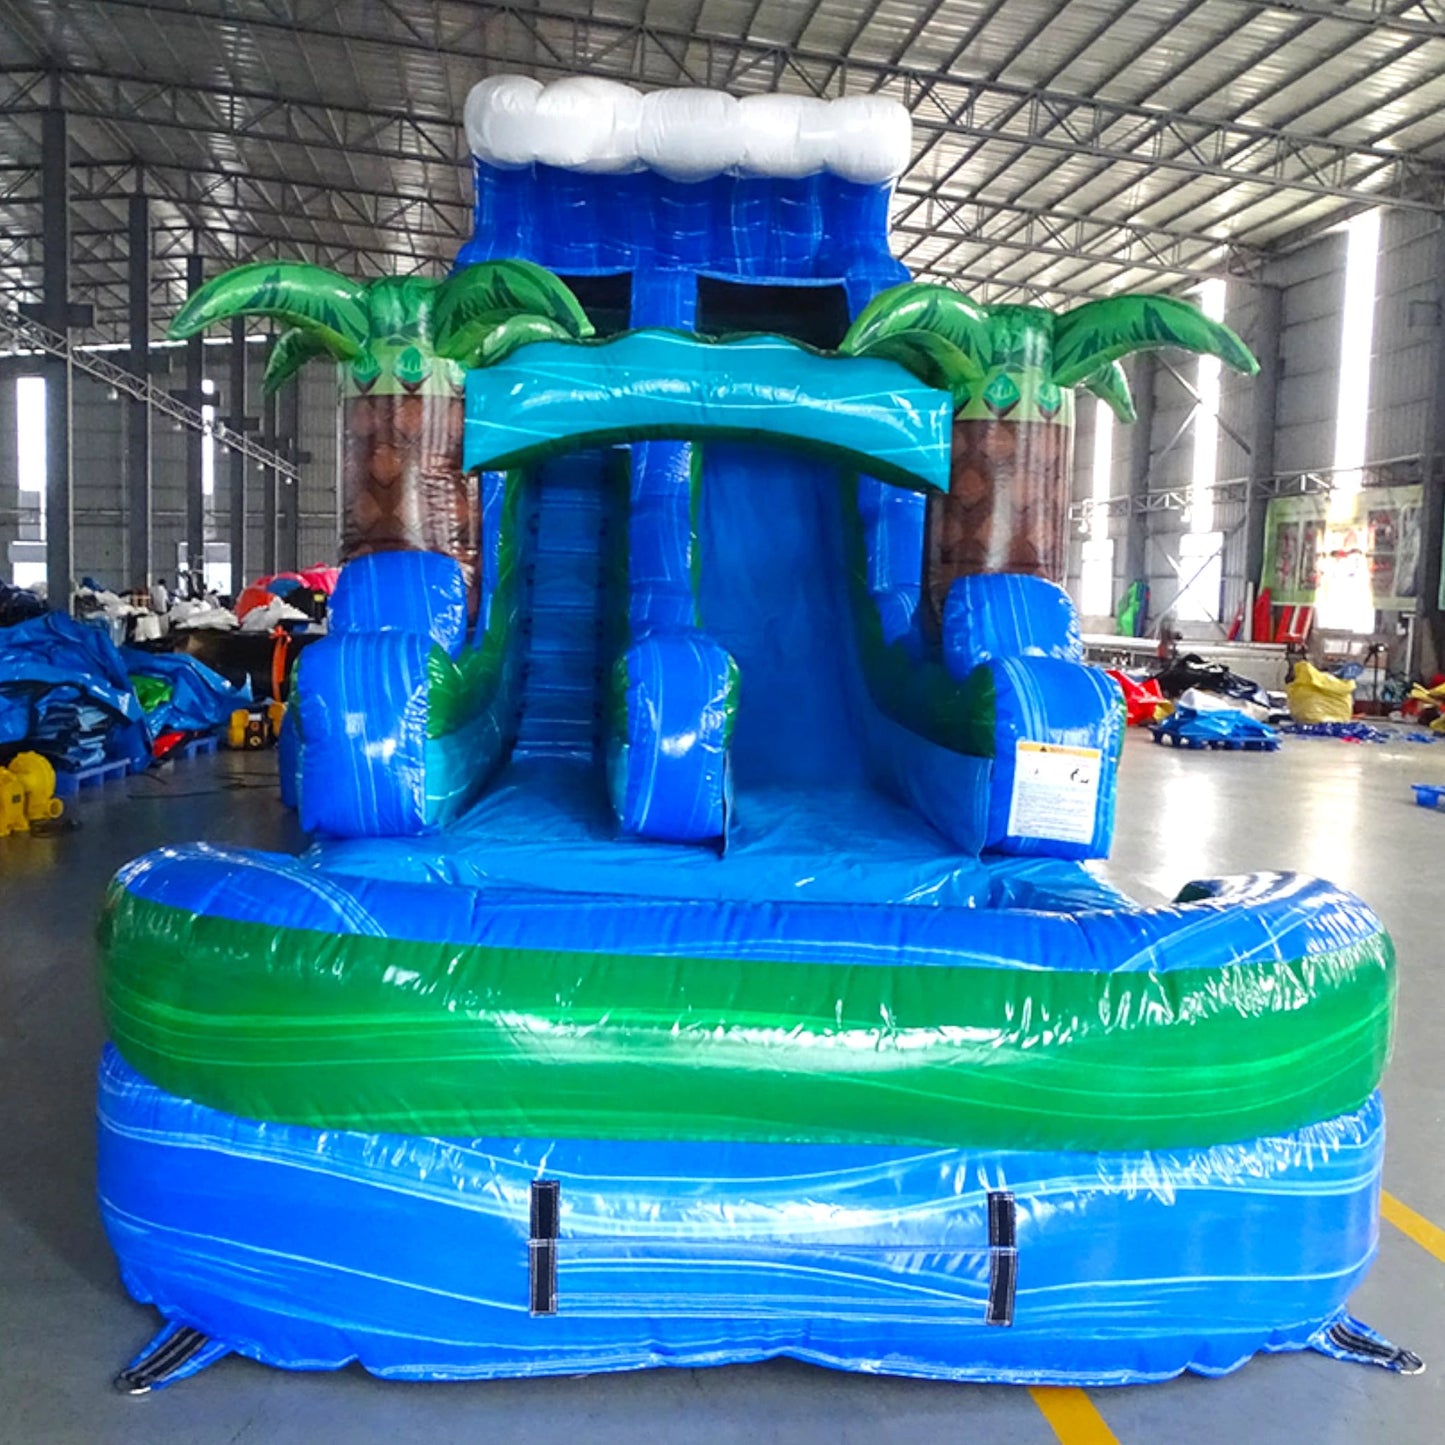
(255, 727)
(12, 805)
(27, 793)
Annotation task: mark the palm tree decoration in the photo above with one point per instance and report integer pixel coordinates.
(1012, 371)
(404, 344)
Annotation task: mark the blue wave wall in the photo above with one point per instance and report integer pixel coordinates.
(309, 1249)
(820, 228)
(667, 234)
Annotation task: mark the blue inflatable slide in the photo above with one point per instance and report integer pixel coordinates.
(698, 959)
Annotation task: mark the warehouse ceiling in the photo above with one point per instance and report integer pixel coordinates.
(1061, 147)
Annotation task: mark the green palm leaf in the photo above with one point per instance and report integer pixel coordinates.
(929, 355)
(291, 352)
(1092, 335)
(311, 298)
(1111, 386)
(394, 305)
(480, 298)
(503, 339)
(938, 334)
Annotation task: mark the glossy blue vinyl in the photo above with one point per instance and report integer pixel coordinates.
(309, 1249)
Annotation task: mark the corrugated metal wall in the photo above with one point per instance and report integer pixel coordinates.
(1406, 327)
(168, 464)
(9, 491)
(318, 534)
(1311, 282)
(1083, 479)
(97, 448)
(101, 487)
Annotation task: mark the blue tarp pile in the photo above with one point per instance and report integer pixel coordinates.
(18, 604)
(1359, 732)
(66, 690)
(72, 734)
(64, 687)
(200, 699)
(1217, 728)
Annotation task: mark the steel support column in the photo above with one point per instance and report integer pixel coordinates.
(271, 482)
(240, 399)
(195, 441)
(1265, 344)
(1430, 629)
(1141, 440)
(138, 411)
(289, 420)
(55, 308)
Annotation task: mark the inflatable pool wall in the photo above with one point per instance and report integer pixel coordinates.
(696, 961)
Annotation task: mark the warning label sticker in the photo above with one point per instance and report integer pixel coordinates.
(1055, 793)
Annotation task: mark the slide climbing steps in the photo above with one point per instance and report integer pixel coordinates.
(562, 707)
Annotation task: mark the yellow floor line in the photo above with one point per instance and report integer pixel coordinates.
(1426, 1235)
(1072, 1416)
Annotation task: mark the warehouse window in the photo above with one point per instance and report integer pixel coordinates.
(1345, 599)
(1205, 471)
(218, 568)
(30, 459)
(1201, 575)
(27, 574)
(1096, 587)
(208, 440)
(30, 468)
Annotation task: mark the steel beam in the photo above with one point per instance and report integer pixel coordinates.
(270, 503)
(1397, 472)
(55, 312)
(1157, 137)
(1120, 243)
(138, 411)
(1374, 15)
(195, 486)
(1072, 235)
(32, 340)
(460, 26)
(461, 29)
(333, 202)
(1265, 343)
(1141, 439)
(289, 424)
(240, 421)
(1430, 634)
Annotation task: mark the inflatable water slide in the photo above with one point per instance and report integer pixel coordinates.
(698, 958)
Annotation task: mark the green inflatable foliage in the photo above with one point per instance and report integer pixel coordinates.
(1021, 363)
(398, 334)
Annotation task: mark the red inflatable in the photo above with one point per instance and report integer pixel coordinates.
(1141, 699)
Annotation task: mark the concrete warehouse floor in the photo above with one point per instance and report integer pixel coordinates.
(65, 1325)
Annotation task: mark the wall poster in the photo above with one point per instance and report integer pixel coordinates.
(1383, 535)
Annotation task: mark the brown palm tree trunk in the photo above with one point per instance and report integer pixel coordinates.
(402, 482)
(1006, 509)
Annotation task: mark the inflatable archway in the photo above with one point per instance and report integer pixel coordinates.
(870, 415)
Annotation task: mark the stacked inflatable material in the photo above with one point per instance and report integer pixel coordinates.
(697, 961)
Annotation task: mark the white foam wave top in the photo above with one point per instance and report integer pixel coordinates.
(585, 123)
